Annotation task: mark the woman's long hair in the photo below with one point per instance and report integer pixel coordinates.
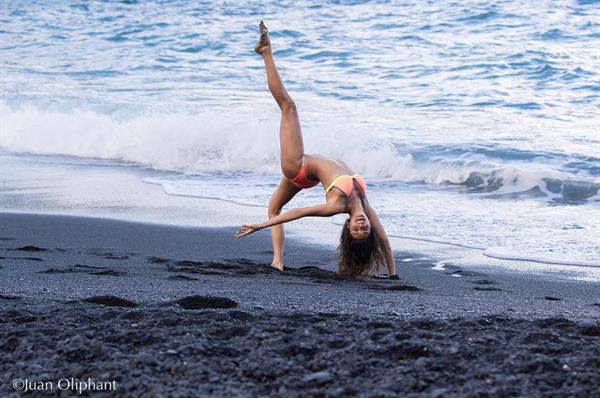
(359, 257)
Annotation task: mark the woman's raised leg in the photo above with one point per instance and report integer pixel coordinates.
(290, 134)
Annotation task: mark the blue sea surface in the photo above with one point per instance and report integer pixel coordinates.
(474, 123)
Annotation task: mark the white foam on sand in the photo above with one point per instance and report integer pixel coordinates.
(508, 254)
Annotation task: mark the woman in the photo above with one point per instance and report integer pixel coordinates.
(364, 246)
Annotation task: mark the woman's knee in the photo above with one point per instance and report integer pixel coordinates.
(287, 105)
(273, 210)
(291, 167)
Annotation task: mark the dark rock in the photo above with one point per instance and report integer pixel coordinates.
(200, 302)
(589, 328)
(394, 287)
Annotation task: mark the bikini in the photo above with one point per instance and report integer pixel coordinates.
(344, 183)
(302, 181)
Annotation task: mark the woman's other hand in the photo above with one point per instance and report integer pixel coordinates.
(247, 229)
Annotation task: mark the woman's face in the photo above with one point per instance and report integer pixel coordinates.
(359, 227)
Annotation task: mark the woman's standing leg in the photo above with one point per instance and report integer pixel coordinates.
(283, 194)
(290, 134)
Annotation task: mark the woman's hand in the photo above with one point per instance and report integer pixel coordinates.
(247, 229)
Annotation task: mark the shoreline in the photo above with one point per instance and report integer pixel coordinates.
(120, 192)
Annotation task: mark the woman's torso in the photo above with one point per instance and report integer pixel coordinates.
(326, 170)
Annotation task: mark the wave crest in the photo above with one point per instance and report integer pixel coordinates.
(216, 142)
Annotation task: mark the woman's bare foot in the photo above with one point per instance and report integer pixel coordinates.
(264, 44)
(277, 265)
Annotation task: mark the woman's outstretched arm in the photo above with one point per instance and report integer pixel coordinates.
(324, 210)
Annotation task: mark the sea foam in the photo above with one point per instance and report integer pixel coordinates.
(218, 142)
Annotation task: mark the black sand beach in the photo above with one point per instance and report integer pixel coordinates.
(181, 312)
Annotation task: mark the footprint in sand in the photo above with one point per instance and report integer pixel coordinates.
(488, 289)
(550, 298)
(182, 278)
(4, 297)
(484, 282)
(30, 248)
(108, 255)
(157, 260)
(22, 258)
(91, 270)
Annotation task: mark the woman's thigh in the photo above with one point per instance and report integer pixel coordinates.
(282, 195)
(290, 138)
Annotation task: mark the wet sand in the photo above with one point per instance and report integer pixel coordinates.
(169, 311)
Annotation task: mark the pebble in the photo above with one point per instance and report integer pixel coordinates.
(76, 370)
(145, 358)
(318, 377)
(586, 323)
(438, 392)
(421, 363)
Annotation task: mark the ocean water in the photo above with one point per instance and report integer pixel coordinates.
(474, 123)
